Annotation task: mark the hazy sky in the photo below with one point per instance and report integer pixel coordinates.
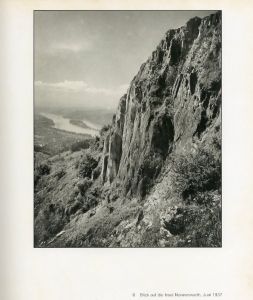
(88, 58)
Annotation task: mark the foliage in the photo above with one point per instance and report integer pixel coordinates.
(150, 166)
(196, 172)
(50, 222)
(150, 237)
(195, 226)
(148, 171)
(39, 171)
(83, 185)
(79, 145)
(43, 169)
(196, 178)
(87, 165)
(89, 203)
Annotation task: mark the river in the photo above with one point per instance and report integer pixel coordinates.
(64, 124)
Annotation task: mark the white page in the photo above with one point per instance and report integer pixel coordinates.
(29, 273)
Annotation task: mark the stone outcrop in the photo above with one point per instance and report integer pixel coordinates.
(173, 102)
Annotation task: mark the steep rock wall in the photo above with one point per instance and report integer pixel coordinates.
(173, 102)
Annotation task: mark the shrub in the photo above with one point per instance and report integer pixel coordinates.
(73, 207)
(91, 202)
(40, 170)
(38, 148)
(44, 169)
(148, 171)
(194, 226)
(151, 166)
(83, 185)
(87, 165)
(150, 237)
(50, 221)
(196, 172)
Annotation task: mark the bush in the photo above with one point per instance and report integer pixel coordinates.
(196, 172)
(194, 226)
(83, 185)
(87, 165)
(148, 171)
(39, 171)
(89, 203)
(43, 169)
(151, 166)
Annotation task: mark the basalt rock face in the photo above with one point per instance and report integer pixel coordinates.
(173, 102)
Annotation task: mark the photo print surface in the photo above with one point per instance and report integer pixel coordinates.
(127, 129)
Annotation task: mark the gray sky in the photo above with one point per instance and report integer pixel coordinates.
(88, 58)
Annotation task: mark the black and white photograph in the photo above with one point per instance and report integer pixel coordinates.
(126, 150)
(127, 128)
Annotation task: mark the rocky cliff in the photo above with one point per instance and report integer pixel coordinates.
(172, 103)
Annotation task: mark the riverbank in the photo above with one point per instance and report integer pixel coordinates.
(50, 140)
(67, 124)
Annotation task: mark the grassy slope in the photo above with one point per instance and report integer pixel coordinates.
(117, 221)
(54, 190)
(61, 193)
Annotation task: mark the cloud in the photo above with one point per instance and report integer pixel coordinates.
(63, 86)
(81, 86)
(74, 47)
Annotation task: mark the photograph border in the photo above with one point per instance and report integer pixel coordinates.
(123, 10)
